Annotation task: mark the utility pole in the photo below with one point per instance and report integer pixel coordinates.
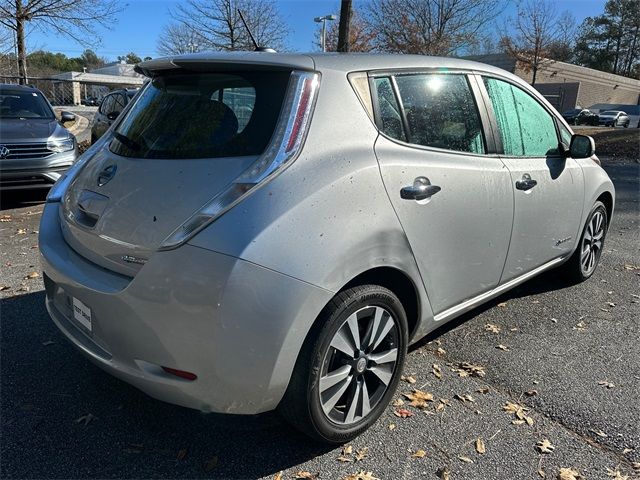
(344, 29)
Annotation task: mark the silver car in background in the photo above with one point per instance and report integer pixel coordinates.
(261, 231)
(35, 148)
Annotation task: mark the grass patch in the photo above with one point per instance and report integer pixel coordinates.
(615, 142)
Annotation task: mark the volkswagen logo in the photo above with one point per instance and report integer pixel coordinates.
(106, 175)
(4, 151)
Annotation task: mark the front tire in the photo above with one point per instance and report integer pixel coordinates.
(349, 366)
(585, 259)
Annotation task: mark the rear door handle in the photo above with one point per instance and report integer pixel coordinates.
(420, 190)
(527, 183)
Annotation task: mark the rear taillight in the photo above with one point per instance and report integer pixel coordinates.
(285, 146)
(180, 373)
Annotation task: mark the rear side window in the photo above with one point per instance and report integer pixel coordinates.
(441, 112)
(526, 128)
(202, 115)
(388, 109)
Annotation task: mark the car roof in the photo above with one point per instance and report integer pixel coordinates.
(344, 62)
(14, 86)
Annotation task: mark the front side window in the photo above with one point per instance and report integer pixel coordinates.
(15, 103)
(526, 128)
(202, 115)
(441, 112)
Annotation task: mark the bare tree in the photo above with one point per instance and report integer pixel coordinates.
(74, 19)
(538, 35)
(428, 27)
(177, 39)
(360, 37)
(219, 25)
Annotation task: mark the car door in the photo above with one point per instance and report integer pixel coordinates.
(433, 145)
(548, 187)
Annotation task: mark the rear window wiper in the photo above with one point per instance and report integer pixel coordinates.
(126, 141)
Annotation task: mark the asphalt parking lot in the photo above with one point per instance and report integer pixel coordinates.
(555, 362)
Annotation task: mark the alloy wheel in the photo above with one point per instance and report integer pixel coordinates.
(591, 247)
(358, 365)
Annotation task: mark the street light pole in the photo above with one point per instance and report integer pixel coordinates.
(323, 34)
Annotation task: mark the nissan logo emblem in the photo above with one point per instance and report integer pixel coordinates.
(4, 151)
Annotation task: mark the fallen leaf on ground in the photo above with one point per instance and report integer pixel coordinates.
(464, 459)
(398, 402)
(580, 326)
(22, 231)
(361, 475)
(435, 368)
(541, 473)
(631, 267)
(408, 379)
(504, 348)
(419, 453)
(569, 474)
(4, 287)
(480, 447)
(278, 476)
(361, 454)
(545, 446)
(392, 426)
(86, 418)
(464, 398)
(403, 413)
(531, 393)
(616, 474)
(599, 433)
(306, 475)
(502, 305)
(441, 352)
(348, 450)
(32, 275)
(606, 384)
(490, 327)
(418, 398)
(471, 369)
(443, 473)
(210, 464)
(483, 390)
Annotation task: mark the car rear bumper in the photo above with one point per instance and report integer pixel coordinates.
(234, 324)
(27, 173)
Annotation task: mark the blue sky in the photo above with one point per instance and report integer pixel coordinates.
(141, 22)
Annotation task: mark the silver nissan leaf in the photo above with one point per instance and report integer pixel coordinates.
(262, 231)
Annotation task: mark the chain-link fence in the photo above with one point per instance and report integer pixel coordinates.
(85, 89)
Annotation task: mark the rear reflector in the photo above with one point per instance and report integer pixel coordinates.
(180, 373)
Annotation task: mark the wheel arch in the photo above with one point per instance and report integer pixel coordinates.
(607, 199)
(400, 284)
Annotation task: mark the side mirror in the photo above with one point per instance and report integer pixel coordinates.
(582, 146)
(67, 117)
(113, 115)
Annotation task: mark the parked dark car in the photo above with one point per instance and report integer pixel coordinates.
(614, 118)
(581, 116)
(35, 149)
(91, 101)
(110, 107)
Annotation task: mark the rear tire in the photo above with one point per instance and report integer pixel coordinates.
(585, 259)
(342, 384)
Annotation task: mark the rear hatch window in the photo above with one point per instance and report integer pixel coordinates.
(202, 116)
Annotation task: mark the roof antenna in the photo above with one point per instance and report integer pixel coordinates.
(258, 48)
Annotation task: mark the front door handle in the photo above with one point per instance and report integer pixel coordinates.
(420, 190)
(527, 183)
